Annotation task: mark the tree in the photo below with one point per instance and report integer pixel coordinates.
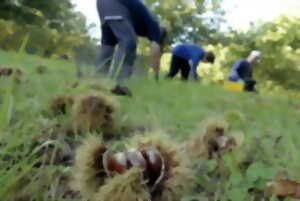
(189, 20)
(54, 26)
(279, 42)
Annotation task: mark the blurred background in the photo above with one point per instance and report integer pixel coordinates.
(230, 28)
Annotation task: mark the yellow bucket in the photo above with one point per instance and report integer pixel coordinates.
(234, 86)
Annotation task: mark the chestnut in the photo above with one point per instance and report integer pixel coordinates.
(136, 159)
(114, 162)
(155, 166)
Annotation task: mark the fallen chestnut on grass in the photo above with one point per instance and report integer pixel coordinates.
(94, 112)
(136, 159)
(6, 71)
(155, 170)
(60, 105)
(213, 142)
(156, 166)
(89, 173)
(169, 174)
(114, 163)
(41, 69)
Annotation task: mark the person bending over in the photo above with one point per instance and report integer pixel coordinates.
(122, 22)
(185, 53)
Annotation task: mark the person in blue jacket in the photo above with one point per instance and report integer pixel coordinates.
(242, 70)
(183, 54)
(122, 22)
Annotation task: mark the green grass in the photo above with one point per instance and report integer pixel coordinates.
(175, 107)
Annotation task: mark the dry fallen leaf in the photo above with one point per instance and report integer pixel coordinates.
(284, 188)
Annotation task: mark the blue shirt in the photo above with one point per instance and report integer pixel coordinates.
(241, 70)
(144, 22)
(190, 52)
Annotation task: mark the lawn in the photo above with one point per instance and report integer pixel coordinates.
(31, 138)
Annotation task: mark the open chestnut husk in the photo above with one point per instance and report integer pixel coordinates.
(89, 173)
(213, 141)
(95, 112)
(170, 174)
(157, 169)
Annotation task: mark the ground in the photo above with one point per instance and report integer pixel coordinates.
(269, 126)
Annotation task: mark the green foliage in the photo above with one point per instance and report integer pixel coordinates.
(6, 109)
(278, 41)
(55, 28)
(279, 67)
(188, 20)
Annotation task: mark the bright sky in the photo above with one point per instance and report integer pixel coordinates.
(239, 12)
(88, 8)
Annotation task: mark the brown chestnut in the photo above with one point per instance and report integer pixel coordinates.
(136, 159)
(114, 162)
(155, 166)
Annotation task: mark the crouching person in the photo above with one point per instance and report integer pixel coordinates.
(242, 71)
(185, 53)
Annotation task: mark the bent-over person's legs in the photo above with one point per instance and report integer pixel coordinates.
(117, 29)
(185, 71)
(126, 53)
(178, 63)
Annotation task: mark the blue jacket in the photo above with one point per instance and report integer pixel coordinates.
(190, 52)
(241, 70)
(144, 22)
